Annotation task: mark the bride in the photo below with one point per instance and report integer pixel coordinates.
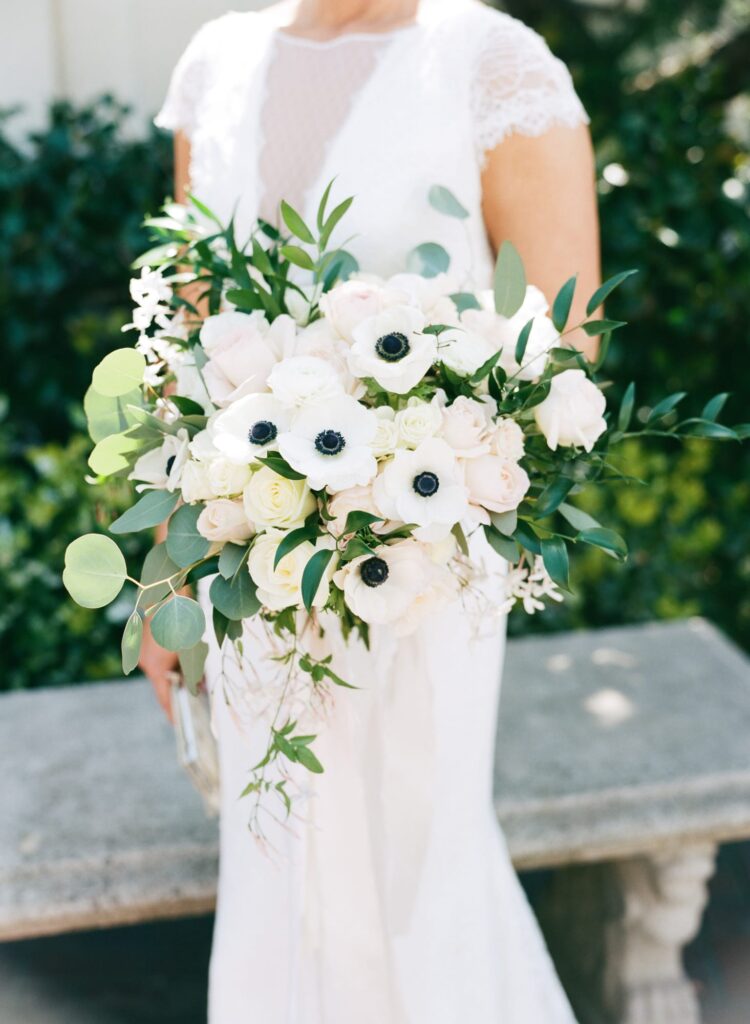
(391, 898)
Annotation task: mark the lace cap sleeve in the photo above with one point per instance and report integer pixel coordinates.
(519, 86)
(189, 83)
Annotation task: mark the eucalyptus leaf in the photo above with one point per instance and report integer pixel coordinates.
(95, 570)
(236, 598)
(506, 547)
(185, 544)
(119, 372)
(193, 665)
(428, 259)
(231, 559)
(150, 510)
(178, 624)
(509, 280)
(132, 638)
(106, 415)
(158, 568)
(113, 454)
(464, 301)
(443, 200)
(505, 522)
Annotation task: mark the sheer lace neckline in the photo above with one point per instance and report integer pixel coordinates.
(344, 37)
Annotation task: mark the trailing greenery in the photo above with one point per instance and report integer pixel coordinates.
(71, 205)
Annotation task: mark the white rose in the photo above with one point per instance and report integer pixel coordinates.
(508, 440)
(243, 348)
(226, 477)
(463, 350)
(430, 294)
(273, 501)
(353, 301)
(386, 435)
(418, 421)
(224, 521)
(320, 340)
(572, 414)
(502, 332)
(355, 499)
(496, 484)
(280, 587)
(305, 380)
(195, 483)
(391, 348)
(466, 427)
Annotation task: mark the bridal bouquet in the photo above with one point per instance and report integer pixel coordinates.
(321, 440)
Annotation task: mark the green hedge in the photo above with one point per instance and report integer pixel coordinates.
(70, 210)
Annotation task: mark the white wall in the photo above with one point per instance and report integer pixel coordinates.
(82, 48)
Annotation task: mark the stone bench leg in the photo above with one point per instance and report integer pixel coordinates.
(617, 931)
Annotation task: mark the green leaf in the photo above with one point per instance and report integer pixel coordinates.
(563, 302)
(552, 497)
(178, 624)
(293, 540)
(95, 570)
(523, 340)
(187, 406)
(132, 637)
(607, 540)
(322, 205)
(714, 406)
(313, 574)
(236, 598)
(220, 624)
(504, 546)
(555, 555)
(509, 280)
(485, 369)
(244, 299)
(606, 289)
(295, 223)
(333, 220)
(577, 518)
(298, 257)
(715, 431)
(106, 415)
(464, 301)
(193, 664)
(356, 548)
(157, 566)
(119, 372)
(185, 544)
(207, 567)
(340, 269)
(279, 465)
(666, 405)
(308, 760)
(150, 510)
(463, 544)
(528, 538)
(626, 408)
(505, 522)
(232, 558)
(443, 200)
(596, 327)
(112, 454)
(428, 259)
(357, 520)
(202, 208)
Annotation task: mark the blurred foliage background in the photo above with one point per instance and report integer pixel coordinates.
(667, 87)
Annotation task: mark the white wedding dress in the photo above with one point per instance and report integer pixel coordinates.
(392, 899)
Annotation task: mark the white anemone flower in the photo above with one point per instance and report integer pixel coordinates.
(424, 486)
(161, 468)
(331, 444)
(381, 588)
(391, 348)
(250, 427)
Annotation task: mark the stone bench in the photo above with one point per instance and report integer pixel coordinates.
(623, 760)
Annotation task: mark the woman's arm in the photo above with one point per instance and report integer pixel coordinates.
(539, 193)
(155, 661)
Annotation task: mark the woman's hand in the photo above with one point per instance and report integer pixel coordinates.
(157, 664)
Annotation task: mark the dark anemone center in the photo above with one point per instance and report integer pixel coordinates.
(374, 571)
(426, 484)
(392, 347)
(330, 442)
(262, 432)
(170, 463)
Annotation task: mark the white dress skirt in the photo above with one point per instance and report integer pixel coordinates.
(389, 896)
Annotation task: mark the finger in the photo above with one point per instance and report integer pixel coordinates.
(163, 693)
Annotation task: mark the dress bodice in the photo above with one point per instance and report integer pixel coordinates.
(271, 116)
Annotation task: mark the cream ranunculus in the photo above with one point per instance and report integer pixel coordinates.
(272, 501)
(305, 380)
(242, 349)
(354, 499)
(349, 303)
(385, 441)
(572, 414)
(226, 478)
(224, 521)
(498, 485)
(195, 484)
(418, 421)
(467, 426)
(391, 348)
(321, 341)
(280, 587)
(464, 350)
(249, 427)
(508, 440)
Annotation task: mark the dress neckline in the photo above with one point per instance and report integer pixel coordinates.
(344, 37)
